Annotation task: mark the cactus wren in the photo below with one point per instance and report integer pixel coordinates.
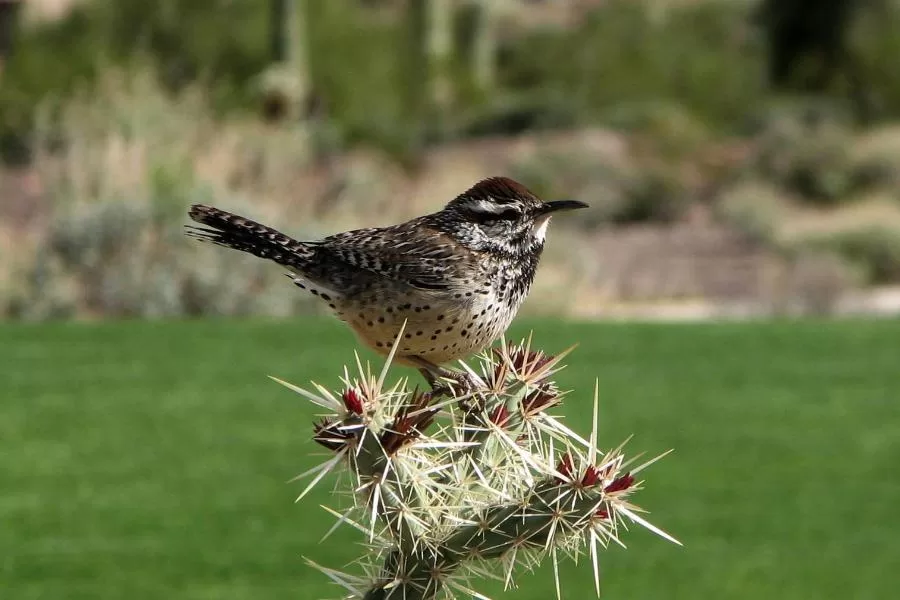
(456, 276)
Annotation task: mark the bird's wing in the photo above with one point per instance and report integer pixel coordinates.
(410, 253)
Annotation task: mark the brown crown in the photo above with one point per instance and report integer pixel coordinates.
(499, 187)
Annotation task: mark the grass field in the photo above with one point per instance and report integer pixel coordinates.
(150, 460)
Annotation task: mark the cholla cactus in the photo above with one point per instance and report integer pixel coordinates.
(453, 485)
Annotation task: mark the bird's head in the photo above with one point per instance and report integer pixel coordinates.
(502, 215)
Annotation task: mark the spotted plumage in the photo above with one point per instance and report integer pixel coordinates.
(457, 276)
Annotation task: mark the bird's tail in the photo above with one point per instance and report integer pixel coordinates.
(234, 231)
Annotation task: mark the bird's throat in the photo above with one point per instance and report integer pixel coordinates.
(539, 229)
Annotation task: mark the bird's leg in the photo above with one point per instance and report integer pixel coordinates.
(436, 375)
(429, 376)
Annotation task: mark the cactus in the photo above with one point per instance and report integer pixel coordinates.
(440, 52)
(9, 19)
(484, 55)
(454, 484)
(428, 57)
(285, 84)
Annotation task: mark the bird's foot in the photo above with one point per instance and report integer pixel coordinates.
(446, 382)
(450, 383)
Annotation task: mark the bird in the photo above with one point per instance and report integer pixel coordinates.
(452, 280)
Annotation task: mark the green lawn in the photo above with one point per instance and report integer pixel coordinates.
(150, 460)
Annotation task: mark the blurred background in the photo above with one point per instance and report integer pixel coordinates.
(741, 157)
(742, 163)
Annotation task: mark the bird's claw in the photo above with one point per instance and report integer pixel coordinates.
(447, 382)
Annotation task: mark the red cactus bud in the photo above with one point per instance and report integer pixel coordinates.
(424, 419)
(539, 400)
(520, 361)
(565, 467)
(533, 360)
(409, 422)
(499, 416)
(539, 359)
(353, 401)
(620, 483)
(397, 435)
(591, 476)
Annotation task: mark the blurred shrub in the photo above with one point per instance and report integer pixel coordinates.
(622, 183)
(96, 34)
(675, 132)
(654, 193)
(754, 207)
(815, 284)
(607, 69)
(118, 169)
(695, 56)
(875, 44)
(875, 156)
(600, 180)
(223, 45)
(126, 258)
(874, 249)
(516, 114)
(617, 194)
(807, 152)
(129, 136)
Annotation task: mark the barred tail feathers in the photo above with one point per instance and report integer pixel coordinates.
(237, 232)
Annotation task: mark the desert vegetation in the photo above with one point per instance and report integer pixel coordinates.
(740, 159)
(325, 116)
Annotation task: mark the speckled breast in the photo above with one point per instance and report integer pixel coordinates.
(439, 327)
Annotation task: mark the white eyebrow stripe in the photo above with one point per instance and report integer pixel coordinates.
(491, 207)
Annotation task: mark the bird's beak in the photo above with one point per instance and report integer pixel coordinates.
(560, 205)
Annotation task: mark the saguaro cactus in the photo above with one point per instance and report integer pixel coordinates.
(427, 56)
(453, 486)
(440, 51)
(9, 12)
(484, 51)
(285, 84)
